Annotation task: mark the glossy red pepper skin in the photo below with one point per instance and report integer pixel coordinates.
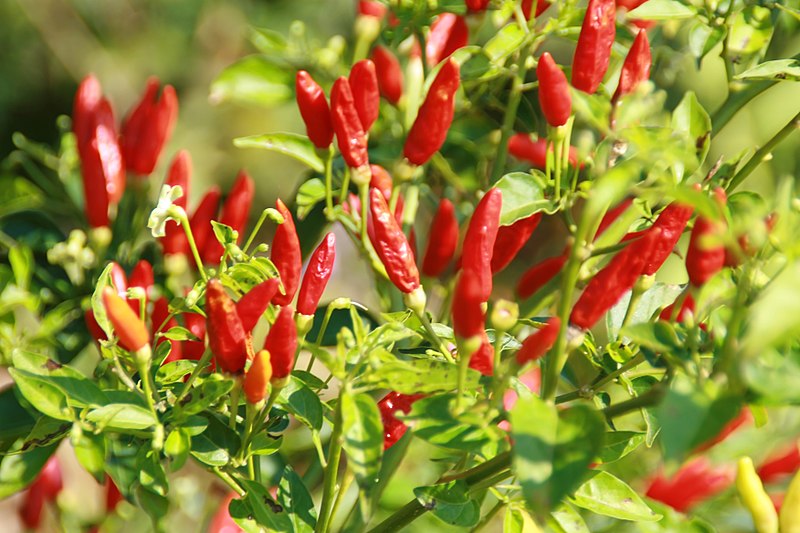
(521, 146)
(467, 308)
(613, 281)
(286, 256)
(318, 272)
(252, 305)
(256, 381)
(510, 240)
(148, 127)
(392, 246)
(382, 180)
(449, 32)
(476, 253)
(363, 82)
(235, 212)
(389, 73)
(281, 343)
(128, 327)
(538, 343)
(593, 51)
(671, 222)
(442, 240)
(780, 465)
(554, 96)
(697, 481)
(636, 67)
(394, 429)
(429, 130)
(179, 174)
(527, 8)
(703, 260)
(314, 110)
(200, 222)
(483, 358)
(226, 336)
(538, 275)
(350, 135)
(196, 323)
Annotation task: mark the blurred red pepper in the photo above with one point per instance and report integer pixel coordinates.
(350, 135)
(448, 33)
(148, 127)
(510, 240)
(113, 495)
(442, 240)
(252, 305)
(612, 215)
(687, 306)
(780, 465)
(128, 327)
(482, 359)
(394, 429)
(538, 343)
(200, 222)
(314, 110)
(389, 73)
(630, 5)
(554, 96)
(593, 51)
(636, 67)
(744, 416)
(196, 324)
(392, 246)
(695, 482)
(179, 174)
(429, 130)
(45, 488)
(142, 277)
(527, 8)
(467, 308)
(160, 324)
(226, 336)
(538, 275)
(704, 260)
(222, 521)
(281, 343)
(286, 256)
(372, 9)
(382, 180)
(521, 146)
(235, 212)
(318, 272)
(256, 381)
(476, 6)
(363, 82)
(476, 253)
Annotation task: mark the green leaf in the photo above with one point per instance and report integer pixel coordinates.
(566, 519)
(291, 144)
(253, 80)
(309, 194)
(523, 195)
(264, 509)
(619, 444)
(177, 447)
(659, 337)
(268, 41)
(692, 120)
(98, 308)
(265, 444)
(17, 422)
(90, 451)
(175, 371)
(768, 328)
(417, 376)
(302, 402)
(607, 495)
(294, 496)
(703, 38)
(21, 259)
(504, 42)
(661, 10)
(18, 470)
(121, 416)
(209, 453)
(779, 69)
(653, 299)
(44, 396)
(450, 503)
(774, 376)
(362, 431)
(750, 31)
(178, 333)
(206, 394)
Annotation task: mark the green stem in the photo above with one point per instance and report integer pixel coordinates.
(509, 117)
(329, 184)
(320, 335)
(331, 473)
(363, 193)
(434, 338)
(147, 385)
(253, 233)
(736, 100)
(235, 394)
(228, 479)
(192, 244)
(187, 386)
(648, 399)
(345, 186)
(489, 516)
(587, 392)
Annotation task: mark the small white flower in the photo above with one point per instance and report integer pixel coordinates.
(73, 256)
(164, 210)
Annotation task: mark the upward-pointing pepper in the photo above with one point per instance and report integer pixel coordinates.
(593, 51)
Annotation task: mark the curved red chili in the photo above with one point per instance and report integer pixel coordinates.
(476, 253)
(314, 110)
(281, 343)
(538, 275)
(554, 96)
(226, 336)
(467, 308)
(235, 212)
(510, 240)
(687, 306)
(538, 343)
(142, 277)
(780, 465)
(148, 127)
(179, 174)
(442, 240)
(670, 222)
(695, 482)
(392, 246)
(449, 32)
(45, 488)
(636, 67)
(390, 74)
(128, 327)
(252, 305)
(286, 256)
(363, 82)
(612, 215)
(590, 62)
(703, 260)
(318, 272)
(350, 135)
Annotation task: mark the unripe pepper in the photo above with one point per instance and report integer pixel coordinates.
(235, 212)
(226, 336)
(252, 305)
(467, 308)
(317, 274)
(200, 222)
(696, 481)
(636, 67)
(554, 97)
(538, 275)
(286, 255)
(702, 260)
(429, 130)
(752, 494)
(448, 33)
(179, 174)
(389, 73)
(482, 359)
(130, 330)
(314, 110)
(392, 246)
(593, 51)
(790, 509)
(394, 429)
(363, 82)
(148, 127)
(476, 253)
(521, 146)
(256, 381)
(350, 135)
(281, 343)
(510, 240)
(442, 240)
(537, 344)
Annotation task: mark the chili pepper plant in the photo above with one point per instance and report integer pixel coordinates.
(577, 320)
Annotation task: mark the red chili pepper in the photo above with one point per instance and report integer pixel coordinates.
(142, 277)
(538, 275)
(687, 306)
(482, 359)
(200, 223)
(442, 240)
(196, 324)
(102, 165)
(429, 130)
(636, 67)
(476, 5)
(510, 240)
(390, 74)
(695, 482)
(350, 135)
(148, 127)
(392, 246)
(235, 212)
(779, 465)
(314, 110)
(449, 32)
(743, 417)
(222, 521)
(226, 336)
(363, 82)
(394, 429)
(252, 305)
(630, 5)
(128, 327)
(476, 253)
(671, 223)
(613, 281)
(554, 96)
(702, 260)
(286, 256)
(44, 488)
(113, 495)
(593, 51)
(612, 215)
(521, 146)
(527, 7)
(180, 174)
(537, 344)
(281, 343)
(318, 272)
(382, 180)
(372, 9)
(160, 324)
(256, 381)
(467, 308)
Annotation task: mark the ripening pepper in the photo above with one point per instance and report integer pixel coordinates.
(448, 33)
(317, 274)
(537, 344)
(592, 54)
(256, 381)
(527, 8)
(372, 9)
(554, 96)
(521, 146)
(755, 498)
(510, 240)
(539, 274)
(476, 253)
(286, 256)
(45, 488)
(350, 135)
(394, 429)
(442, 240)
(281, 343)
(314, 110)
(363, 81)
(148, 127)
(102, 164)
(392, 246)
(179, 174)
(252, 305)
(200, 221)
(696, 481)
(389, 73)
(704, 260)
(235, 211)
(467, 308)
(226, 336)
(636, 67)
(128, 327)
(781, 464)
(429, 130)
